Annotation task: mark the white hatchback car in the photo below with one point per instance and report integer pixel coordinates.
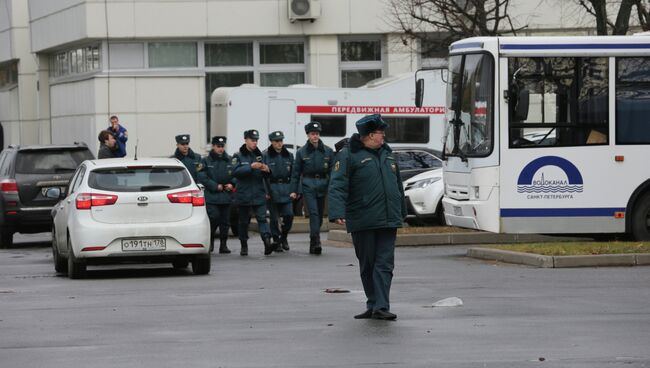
(423, 195)
(124, 210)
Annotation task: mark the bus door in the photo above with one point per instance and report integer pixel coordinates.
(282, 116)
(557, 145)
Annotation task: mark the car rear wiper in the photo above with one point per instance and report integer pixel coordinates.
(59, 169)
(147, 188)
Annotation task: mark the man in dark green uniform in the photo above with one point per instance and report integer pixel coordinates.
(250, 172)
(366, 194)
(313, 164)
(280, 162)
(217, 179)
(184, 154)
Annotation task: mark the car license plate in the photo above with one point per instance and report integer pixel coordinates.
(137, 245)
(458, 211)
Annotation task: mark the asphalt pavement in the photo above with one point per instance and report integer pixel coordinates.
(259, 311)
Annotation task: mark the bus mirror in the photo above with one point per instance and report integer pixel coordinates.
(419, 92)
(521, 108)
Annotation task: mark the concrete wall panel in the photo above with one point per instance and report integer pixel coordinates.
(243, 18)
(70, 99)
(172, 19)
(59, 28)
(79, 128)
(9, 106)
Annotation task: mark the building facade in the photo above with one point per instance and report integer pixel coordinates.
(67, 65)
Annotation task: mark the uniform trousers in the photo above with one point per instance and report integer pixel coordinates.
(315, 206)
(219, 215)
(245, 220)
(284, 210)
(375, 250)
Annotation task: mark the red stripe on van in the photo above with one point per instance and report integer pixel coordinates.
(397, 110)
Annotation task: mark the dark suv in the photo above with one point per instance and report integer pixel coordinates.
(26, 172)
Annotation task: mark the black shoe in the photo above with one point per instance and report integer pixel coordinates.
(283, 242)
(268, 247)
(365, 315)
(277, 246)
(244, 248)
(314, 246)
(223, 248)
(384, 314)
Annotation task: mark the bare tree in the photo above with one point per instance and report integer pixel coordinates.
(441, 22)
(600, 9)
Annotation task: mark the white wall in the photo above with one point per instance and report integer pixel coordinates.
(153, 110)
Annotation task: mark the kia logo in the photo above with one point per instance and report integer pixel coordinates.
(143, 198)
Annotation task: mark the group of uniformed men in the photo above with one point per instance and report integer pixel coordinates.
(253, 180)
(365, 194)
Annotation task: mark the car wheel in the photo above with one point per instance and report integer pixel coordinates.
(6, 237)
(641, 219)
(60, 263)
(440, 214)
(180, 263)
(201, 265)
(76, 268)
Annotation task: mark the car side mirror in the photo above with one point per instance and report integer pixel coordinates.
(54, 193)
(419, 92)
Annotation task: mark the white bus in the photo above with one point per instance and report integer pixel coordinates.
(549, 135)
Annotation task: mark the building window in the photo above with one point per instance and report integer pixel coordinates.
(229, 54)
(126, 55)
(432, 55)
(8, 74)
(632, 108)
(281, 79)
(361, 61)
(172, 54)
(269, 63)
(402, 129)
(287, 53)
(75, 61)
(331, 125)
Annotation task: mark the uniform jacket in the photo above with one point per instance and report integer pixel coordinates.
(105, 152)
(280, 165)
(251, 189)
(366, 188)
(217, 169)
(311, 161)
(192, 161)
(121, 139)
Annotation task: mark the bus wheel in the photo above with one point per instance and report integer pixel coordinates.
(641, 218)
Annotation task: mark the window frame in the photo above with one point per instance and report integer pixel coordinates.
(366, 65)
(561, 125)
(614, 89)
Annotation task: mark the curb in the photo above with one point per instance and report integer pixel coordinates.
(538, 260)
(457, 238)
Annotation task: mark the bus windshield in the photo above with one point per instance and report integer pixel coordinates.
(469, 131)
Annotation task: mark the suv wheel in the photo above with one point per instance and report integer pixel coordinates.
(60, 263)
(76, 268)
(6, 237)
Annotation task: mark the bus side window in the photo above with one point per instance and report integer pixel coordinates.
(567, 101)
(632, 96)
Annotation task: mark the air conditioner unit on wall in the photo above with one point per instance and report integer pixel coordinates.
(303, 10)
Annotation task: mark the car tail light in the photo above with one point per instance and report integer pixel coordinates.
(192, 245)
(9, 186)
(195, 197)
(85, 201)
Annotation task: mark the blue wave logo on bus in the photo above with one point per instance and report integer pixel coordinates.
(570, 182)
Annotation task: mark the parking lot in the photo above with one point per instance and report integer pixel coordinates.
(272, 311)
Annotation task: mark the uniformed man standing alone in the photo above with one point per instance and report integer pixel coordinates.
(366, 194)
(280, 162)
(184, 154)
(250, 172)
(217, 178)
(313, 163)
